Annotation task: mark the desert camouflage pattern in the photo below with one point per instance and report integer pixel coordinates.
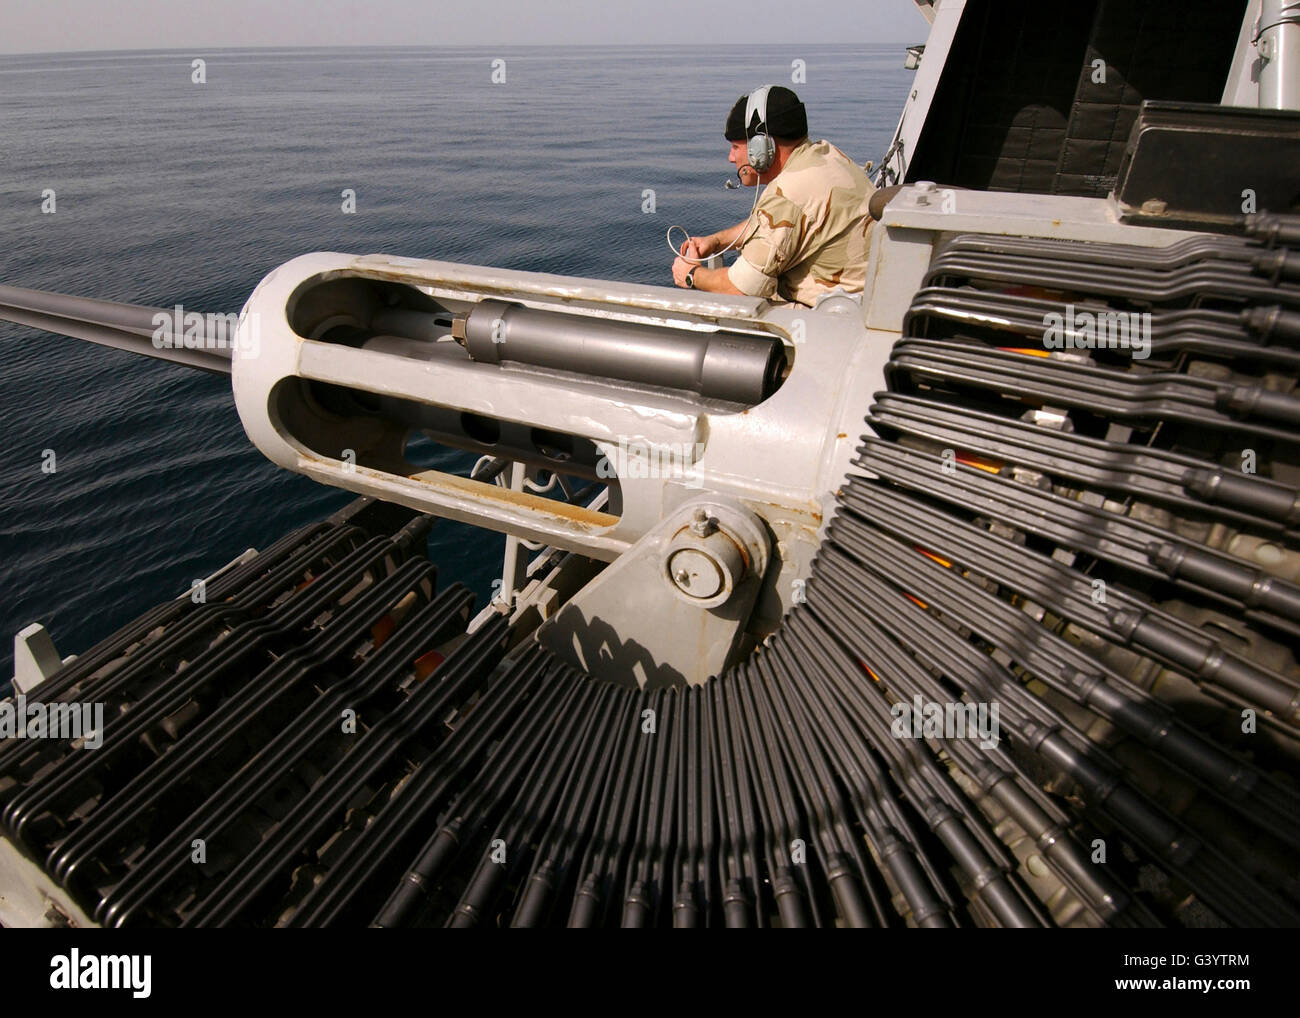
(810, 230)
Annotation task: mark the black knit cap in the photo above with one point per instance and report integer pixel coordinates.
(786, 117)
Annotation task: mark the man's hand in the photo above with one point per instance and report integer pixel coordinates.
(680, 267)
(699, 247)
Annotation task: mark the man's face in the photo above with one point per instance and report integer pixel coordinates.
(739, 158)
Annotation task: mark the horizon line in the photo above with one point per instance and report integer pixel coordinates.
(454, 45)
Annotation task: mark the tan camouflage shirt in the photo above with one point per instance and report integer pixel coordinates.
(810, 229)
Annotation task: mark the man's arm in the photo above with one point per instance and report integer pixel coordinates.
(724, 239)
(703, 247)
(711, 280)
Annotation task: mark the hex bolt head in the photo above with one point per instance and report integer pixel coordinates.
(702, 524)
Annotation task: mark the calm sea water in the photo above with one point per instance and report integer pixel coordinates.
(172, 192)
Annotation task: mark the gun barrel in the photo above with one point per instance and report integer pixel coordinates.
(130, 327)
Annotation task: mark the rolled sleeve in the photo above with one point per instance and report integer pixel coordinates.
(749, 280)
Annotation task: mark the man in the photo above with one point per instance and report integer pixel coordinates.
(809, 230)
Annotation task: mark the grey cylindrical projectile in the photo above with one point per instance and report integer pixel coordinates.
(732, 366)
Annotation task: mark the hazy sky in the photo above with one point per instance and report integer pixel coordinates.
(39, 26)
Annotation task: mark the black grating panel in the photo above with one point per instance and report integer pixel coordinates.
(999, 116)
(1017, 109)
(1167, 49)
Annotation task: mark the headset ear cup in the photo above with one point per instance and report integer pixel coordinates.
(760, 152)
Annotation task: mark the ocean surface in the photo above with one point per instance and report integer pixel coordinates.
(172, 192)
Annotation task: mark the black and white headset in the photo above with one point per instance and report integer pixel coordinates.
(760, 149)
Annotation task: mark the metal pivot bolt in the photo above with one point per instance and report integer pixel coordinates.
(704, 561)
(697, 573)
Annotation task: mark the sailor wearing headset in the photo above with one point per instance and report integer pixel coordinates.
(808, 231)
